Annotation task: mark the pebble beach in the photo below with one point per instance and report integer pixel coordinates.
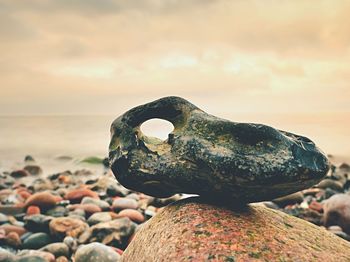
(84, 213)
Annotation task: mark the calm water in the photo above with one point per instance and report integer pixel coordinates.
(46, 137)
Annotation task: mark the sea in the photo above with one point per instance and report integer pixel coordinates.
(47, 137)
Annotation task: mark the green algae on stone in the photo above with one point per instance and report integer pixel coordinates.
(94, 160)
(210, 156)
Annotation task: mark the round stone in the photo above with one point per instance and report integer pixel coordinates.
(3, 219)
(42, 200)
(124, 203)
(36, 241)
(37, 223)
(96, 252)
(102, 204)
(6, 255)
(33, 169)
(133, 214)
(76, 195)
(13, 240)
(33, 210)
(99, 218)
(88, 208)
(57, 249)
(11, 228)
(27, 255)
(66, 226)
(19, 173)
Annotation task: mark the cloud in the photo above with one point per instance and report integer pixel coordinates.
(78, 50)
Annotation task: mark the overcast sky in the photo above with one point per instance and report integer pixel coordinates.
(103, 57)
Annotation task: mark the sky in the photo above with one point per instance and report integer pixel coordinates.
(243, 56)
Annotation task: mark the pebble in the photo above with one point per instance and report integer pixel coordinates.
(41, 184)
(289, 199)
(116, 190)
(96, 252)
(314, 205)
(102, 204)
(42, 200)
(99, 218)
(57, 249)
(27, 255)
(88, 208)
(337, 212)
(133, 196)
(36, 241)
(149, 213)
(6, 181)
(115, 232)
(331, 184)
(37, 223)
(31, 258)
(76, 195)
(6, 256)
(57, 211)
(11, 228)
(77, 213)
(24, 194)
(29, 158)
(71, 242)
(33, 210)
(133, 214)
(61, 259)
(66, 226)
(13, 239)
(124, 203)
(11, 210)
(3, 219)
(33, 169)
(19, 173)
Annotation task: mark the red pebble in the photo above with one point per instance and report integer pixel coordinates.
(76, 195)
(33, 210)
(88, 208)
(42, 199)
(314, 205)
(133, 214)
(24, 194)
(11, 228)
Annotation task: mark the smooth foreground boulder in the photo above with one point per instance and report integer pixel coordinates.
(210, 156)
(191, 230)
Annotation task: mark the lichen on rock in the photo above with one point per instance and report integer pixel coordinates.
(193, 230)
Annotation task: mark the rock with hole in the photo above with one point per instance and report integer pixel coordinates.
(210, 156)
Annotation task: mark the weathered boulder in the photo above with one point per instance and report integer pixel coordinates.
(192, 230)
(210, 156)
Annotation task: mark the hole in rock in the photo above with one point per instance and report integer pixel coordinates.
(158, 128)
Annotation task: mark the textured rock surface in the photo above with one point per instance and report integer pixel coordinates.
(207, 155)
(190, 230)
